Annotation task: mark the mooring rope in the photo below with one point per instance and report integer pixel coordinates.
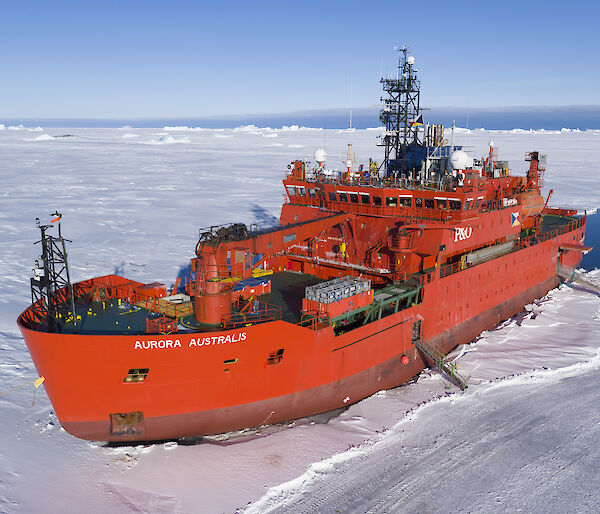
(37, 382)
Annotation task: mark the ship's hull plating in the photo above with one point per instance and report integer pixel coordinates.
(198, 386)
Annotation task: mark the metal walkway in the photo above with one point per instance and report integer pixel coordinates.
(572, 275)
(436, 357)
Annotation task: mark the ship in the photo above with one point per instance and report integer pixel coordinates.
(375, 272)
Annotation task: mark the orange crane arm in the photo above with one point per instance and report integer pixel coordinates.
(212, 249)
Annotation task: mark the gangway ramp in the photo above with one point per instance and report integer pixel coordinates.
(436, 357)
(572, 275)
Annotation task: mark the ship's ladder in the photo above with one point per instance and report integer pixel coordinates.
(572, 275)
(434, 356)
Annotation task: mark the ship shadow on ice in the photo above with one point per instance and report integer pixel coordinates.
(517, 318)
(262, 218)
(583, 289)
(238, 437)
(183, 275)
(126, 268)
(251, 434)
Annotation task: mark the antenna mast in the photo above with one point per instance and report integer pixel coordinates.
(404, 149)
(51, 289)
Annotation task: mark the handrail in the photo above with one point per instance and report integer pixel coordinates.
(393, 183)
(262, 312)
(314, 320)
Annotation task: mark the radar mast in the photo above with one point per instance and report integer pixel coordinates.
(404, 146)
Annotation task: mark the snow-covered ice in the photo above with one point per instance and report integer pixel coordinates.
(523, 436)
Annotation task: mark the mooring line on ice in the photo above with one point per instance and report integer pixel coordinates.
(37, 382)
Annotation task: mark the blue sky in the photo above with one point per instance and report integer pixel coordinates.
(182, 58)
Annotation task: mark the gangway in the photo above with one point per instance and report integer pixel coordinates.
(436, 357)
(572, 275)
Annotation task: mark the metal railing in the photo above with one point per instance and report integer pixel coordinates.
(260, 313)
(394, 183)
(314, 320)
(575, 224)
(161, 325)
(437, 357)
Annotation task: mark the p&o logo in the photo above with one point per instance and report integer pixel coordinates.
(462, 233)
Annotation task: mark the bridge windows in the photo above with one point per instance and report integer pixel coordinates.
(441, 203)
(419, 202)
(353, 197)
(291, 190)
(391, 201)
(301, 191)
(343, 196)
(429, 203)
(454, 205)
(405, 201)
(312, 193)
(332, 197)
(364, 198)
(467, 204)
(377, 200)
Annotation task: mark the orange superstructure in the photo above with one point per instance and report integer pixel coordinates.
(373, 274)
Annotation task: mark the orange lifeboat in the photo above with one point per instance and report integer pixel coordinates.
(532, 203)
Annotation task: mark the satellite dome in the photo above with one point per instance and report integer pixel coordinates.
(349, 163)
(410, 60)
(460, 160)
(320, 155)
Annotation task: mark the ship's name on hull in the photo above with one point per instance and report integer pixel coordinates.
(169, 344)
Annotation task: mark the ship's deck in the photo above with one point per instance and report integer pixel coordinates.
(287, 291)
(551, 222)
(113, 317)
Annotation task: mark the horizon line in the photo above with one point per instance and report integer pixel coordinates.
(462, 109)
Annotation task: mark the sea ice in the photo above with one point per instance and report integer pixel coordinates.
(135, 208)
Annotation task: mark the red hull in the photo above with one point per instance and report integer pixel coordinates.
(196, 389)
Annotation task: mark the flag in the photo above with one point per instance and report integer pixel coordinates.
(515, 219)
(55, 220)
(416, 122)
(39, 382)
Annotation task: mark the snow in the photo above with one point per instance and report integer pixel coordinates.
(43, 137)
(169, 140)
(486, 451)
(21, 127)
(181, 128)
(523, 436)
